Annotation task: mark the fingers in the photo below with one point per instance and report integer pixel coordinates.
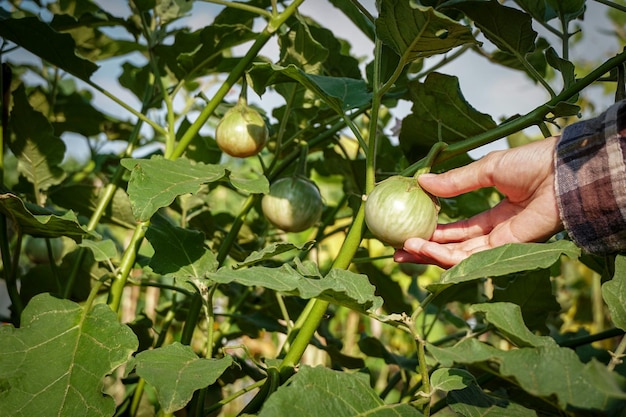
(478, 225)
(457, 181)
(422, 251)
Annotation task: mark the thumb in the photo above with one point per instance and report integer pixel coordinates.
(478, 174)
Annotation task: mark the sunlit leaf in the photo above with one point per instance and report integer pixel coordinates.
(415, 31)
(338, 286)
(175, 371)
(156, 182)
(319, 391)
(340, 93)
(451, 379)
(507, 259)
(56, 362)
(102, 250)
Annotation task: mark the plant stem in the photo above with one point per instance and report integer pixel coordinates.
(233, 77)
(126, 265)
(423, 368)
(195, 307)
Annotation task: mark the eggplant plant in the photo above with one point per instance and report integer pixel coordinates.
(224, 243)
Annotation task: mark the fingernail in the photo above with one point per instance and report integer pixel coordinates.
(429, 175)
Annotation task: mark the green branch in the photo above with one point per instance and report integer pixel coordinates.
(532, 118)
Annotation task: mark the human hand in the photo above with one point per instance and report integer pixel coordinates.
(528, 213)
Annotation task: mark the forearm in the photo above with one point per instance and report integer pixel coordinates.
(590, 181)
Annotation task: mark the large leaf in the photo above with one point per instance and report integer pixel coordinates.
(299, 48)
(156, 182)
(55, 364)
(614, 293)
(507, 259)
(543, 371)
(508, 28)
(196, 53)
(547, 371)
(532, 291)
(340, 93)
(39, 38)
(175, 371)
(507, 318)
(439, 112)
(474, 402)
(338, 286)
(37, 149)
(415, 31)
(40, 222)
(179, 252)
(319, 391)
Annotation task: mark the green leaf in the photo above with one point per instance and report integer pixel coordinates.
(198, 52)
(538, 9)
(614, 293)
(506, 259)
(338, 286)
(532, 291)
(155, 183)
(373, 347)
(39, 38)
(567, 10)
(565, 67)
(320, 391)
(508, 28)
(250, 184)
(40, 222)
(414, 31)
(439, 112)
(84, 199)
(38, 150)
(168, 10)
(175, 372)
(178, 252)
(451, 379)
(56, 362)
(546, 371)
(507, 318)
(467, 351)
(92, 43)
(474, 402)
(273, 250)
(102, 250)
(340, 93)
(298, 47)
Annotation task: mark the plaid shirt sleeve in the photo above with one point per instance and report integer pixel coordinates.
(590, 181)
